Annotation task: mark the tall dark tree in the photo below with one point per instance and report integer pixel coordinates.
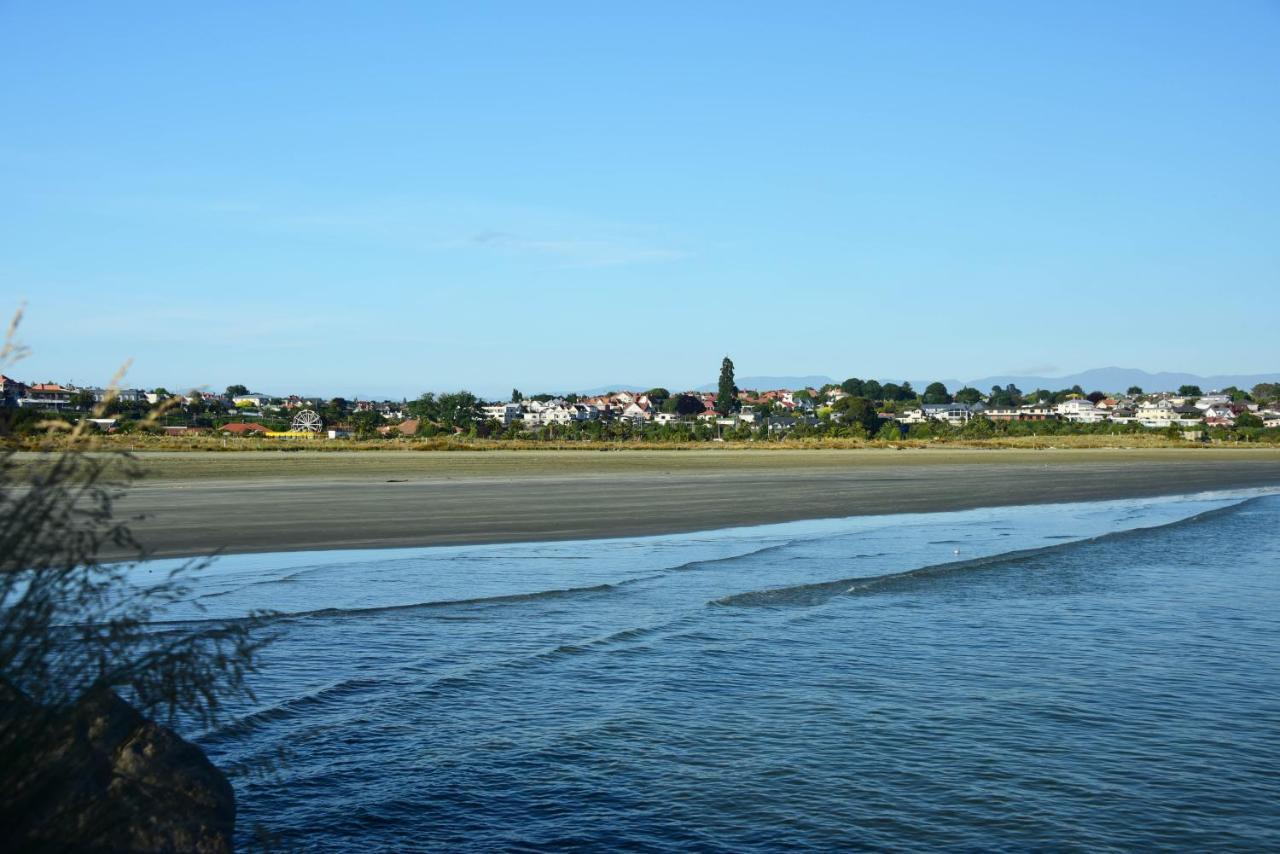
(233, 390)
(1190, 391)
(936, 393)
(967, 395)
(852, 386)
(1134, 390)
(727, 393)
(872, 390)
(516, 396)
(683, 404)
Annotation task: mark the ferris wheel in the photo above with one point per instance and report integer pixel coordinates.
(307, 421)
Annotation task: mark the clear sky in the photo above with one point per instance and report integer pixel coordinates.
(366, 197)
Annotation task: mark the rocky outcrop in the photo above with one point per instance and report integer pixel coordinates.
(104, 778)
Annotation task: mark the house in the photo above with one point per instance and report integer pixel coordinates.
(253, 400)
(123, 395)
(505, 414)
(242, 428)
(952, 413)
(404, 428)
(1210, 400)
(786, 423)
(634, 411)
(1036, 412)
(47, 396)
(1080, 410)
(11, 391)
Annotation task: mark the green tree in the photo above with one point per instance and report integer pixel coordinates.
(83, 400)
(727, 393)
(682, 404)
(1134, 391)
(1009, 396)
(1266, 391)
(460, 409)
(233, 390)
(365, 424)
(658, 396)
(857, 410)
(853, 386)
(516, 396)
(1190, 391)
(968, 396)
(889, 432)
(872, 390)
(1248, 419)
(425, 408)
(936, 393)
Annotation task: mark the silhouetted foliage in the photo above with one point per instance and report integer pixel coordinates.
(727, 394)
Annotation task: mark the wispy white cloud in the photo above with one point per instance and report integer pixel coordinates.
(565, 238)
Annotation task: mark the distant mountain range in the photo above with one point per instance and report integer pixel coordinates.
(1099, 379)
(1120, 379)
(765, 383)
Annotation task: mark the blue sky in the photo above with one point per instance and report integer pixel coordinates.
(385, 198)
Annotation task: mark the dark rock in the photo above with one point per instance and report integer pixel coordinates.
(101, 777)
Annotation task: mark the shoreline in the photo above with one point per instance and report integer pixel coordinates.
(197, 504)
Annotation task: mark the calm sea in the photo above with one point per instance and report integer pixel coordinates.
(1067, 677)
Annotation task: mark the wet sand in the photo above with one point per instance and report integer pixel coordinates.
(198, 503)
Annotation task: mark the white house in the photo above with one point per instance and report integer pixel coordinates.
(253, 400)
(635, 412)
(1080, 410)
(504, 413)
(1213, 400)
(952, 413)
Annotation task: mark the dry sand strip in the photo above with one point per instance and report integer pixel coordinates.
(200, 503)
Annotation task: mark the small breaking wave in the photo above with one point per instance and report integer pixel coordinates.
(436, 603)
(820, 592)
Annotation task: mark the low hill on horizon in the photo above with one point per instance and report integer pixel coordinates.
(1120, 379)
(1112, 379)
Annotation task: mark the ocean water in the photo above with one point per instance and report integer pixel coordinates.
(1100, 676)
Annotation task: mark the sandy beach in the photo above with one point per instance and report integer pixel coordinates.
(198, 503)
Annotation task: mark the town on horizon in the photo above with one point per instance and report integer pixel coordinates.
(854, 408)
